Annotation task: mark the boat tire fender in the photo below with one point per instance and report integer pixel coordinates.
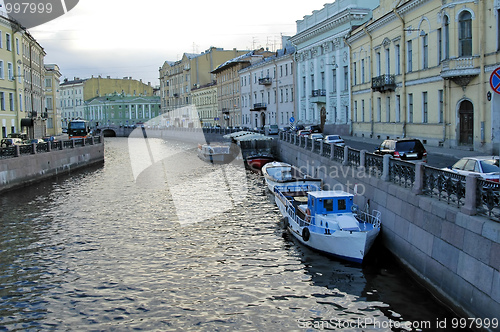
(306, 234)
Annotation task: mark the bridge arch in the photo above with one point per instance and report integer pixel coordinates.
(108, 132)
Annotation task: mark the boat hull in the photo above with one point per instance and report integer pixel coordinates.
(256, 163)
(295, 183)
(346, 245)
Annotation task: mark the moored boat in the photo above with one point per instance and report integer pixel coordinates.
(217, 153)
(256, 148)
(328, 221)
(289, 177)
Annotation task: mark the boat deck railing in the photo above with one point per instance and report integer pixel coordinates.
(368, 218)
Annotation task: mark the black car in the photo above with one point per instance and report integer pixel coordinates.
(404, 149)
(314, 129)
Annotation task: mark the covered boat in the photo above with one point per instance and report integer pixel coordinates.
(218, 153)
(256, 148)
(289, 177)
(329, 222)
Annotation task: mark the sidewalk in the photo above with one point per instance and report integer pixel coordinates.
(457, 153)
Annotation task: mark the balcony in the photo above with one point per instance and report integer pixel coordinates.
(225, 111)
(265, 81)
(460, 70)
(384, 83)
(318, 96)
(259, 107)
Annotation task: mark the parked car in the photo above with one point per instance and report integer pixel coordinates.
(314, 129)
(35, 141)
(485, 166)
(271, 129)
(404, 149)
(303, 132)
(6, 142)
(316, 137)
(18, 135)
(298, 128)
(335, 139)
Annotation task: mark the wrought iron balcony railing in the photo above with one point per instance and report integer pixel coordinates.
(384, 83)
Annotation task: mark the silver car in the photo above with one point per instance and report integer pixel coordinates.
(335, 139)
(486, 166)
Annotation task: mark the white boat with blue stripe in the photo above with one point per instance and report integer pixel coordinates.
(328, 221)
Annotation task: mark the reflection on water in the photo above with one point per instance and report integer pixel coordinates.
(98, 250)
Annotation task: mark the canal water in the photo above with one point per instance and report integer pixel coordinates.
(156, 239)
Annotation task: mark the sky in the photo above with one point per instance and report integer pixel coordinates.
(133, 39)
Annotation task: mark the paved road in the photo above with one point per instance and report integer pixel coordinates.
(434, 160)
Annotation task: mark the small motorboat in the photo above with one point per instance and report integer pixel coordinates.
(257, 161)
(289, 178)
(218, 153)
(329, 222)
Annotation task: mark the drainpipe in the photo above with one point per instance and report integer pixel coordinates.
(350, 90)
(482, 89)
(403, 67)
(371, 75)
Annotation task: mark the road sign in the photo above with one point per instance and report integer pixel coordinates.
(495, 80)
(292, 119)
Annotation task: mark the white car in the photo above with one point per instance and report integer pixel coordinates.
(316, 137)
(486, 166)
(335, 139)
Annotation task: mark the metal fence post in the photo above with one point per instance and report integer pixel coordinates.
(362, 159)
(321, 148)
(33, 148)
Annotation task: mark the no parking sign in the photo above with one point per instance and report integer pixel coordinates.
(495, 80)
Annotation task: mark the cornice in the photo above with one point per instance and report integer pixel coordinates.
(329, 24)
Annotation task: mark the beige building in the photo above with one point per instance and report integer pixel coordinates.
(421, 69)
(177, 79)
(51, 84)
(100, 87)
(228, 86)
(205, 100)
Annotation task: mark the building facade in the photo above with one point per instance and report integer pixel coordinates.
(228, 86)
(99, 87)
(323, 63)
(205, 100)
(422, 69)
(267, 90)
(71, 100)
(52, 102)
(177, 79)
(121, 110)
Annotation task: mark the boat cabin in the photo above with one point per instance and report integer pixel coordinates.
(329, 202)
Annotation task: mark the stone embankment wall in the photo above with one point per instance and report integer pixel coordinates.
(27, 169)
(457, 256)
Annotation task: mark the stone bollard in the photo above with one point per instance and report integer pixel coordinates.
(33, 148)
(72, 143)
(18, 151)
(470, 206)
(49, 146)
(346, 156)
(312, 144)
(332, 153)
(362, 159)
(385, 168)
(321, 148)
(418, 186)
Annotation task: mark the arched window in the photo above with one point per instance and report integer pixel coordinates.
(465, 34)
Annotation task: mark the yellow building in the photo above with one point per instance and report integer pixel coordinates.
(52, 81)
(177, 79)
(99, 87)
(421, 69)
(205, 100)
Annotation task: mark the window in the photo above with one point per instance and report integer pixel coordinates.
(355, 111)
(17, 46)
(425, 115)
(363, 110)
(1, 70)
(387, 61)
(410, 108)
(439, 45)
(11, 101)
(446, 38)
(409, 56)
(425, 51)
(354, 74)
(465, 34)
(10, 70)
(346, 78)
(377, 59)
(334, 80)
(398, 108)
(362, 70)
(322, 80)
(397, 55)
(379, 109)
(388, 109)
(440, 106)
(8, 42)
(2, 101)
